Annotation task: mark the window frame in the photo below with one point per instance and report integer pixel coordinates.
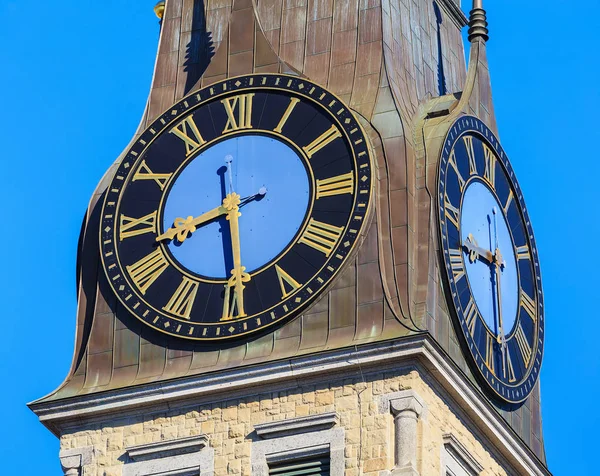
(190, 456)
(298, 438)
(456, 459)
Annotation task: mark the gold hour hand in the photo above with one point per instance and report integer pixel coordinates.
(475, 250)
(184, 227)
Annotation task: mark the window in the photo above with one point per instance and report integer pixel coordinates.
(456, 460)
(182, 457)
(316, 465)
(306, 446)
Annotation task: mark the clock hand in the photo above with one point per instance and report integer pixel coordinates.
(239, 276)
(501, 337)
(238, 273)
(184, 227)
(498, 263)
(495, 229)
(474, 250)
(228, 161)
(261, 193)
(497, 255)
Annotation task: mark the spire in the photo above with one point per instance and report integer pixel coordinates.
(478, 22)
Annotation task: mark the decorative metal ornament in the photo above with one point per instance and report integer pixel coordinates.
(159, 9)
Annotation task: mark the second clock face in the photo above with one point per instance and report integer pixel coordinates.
(491, 260)
(236, 208)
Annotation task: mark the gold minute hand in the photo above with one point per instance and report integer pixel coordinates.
(501, 338)
(184, 227)
(235, 302)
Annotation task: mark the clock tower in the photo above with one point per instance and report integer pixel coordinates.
(313, 257)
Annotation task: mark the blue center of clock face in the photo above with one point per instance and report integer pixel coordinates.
(268, 223)
(490, 231)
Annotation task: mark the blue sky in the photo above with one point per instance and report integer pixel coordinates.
(73, 84)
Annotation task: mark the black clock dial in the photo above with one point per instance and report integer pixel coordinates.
(236, 207)
(490, 260)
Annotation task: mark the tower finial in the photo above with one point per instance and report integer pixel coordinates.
(478, 22)
(159, 9)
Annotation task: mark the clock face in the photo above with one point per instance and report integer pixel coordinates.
(490, 260)
(236, 207)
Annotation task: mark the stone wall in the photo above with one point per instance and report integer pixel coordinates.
(367, 425)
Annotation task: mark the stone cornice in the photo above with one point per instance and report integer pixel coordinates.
(419, 352)
(292, 426)
(454, 12)
(168, 447)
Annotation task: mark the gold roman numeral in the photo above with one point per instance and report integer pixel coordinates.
(452, 213)
(335, 185)
(182, 302)
(148, 269)
(523, 344)
(286, 114)
(529, 305)
(284, 279)
(510, 369)
(137, 226)
(468, 140)
(490, 166)
(321, 236)
(452, 162)
(508, 201)
(233, 304)
(144, 173)
(471, 314)
(188, 132)
(326, 138)
(489, 352)
(523, 252)
(243, 119)
(457, 264)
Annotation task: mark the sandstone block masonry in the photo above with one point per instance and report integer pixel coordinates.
(368, 427)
